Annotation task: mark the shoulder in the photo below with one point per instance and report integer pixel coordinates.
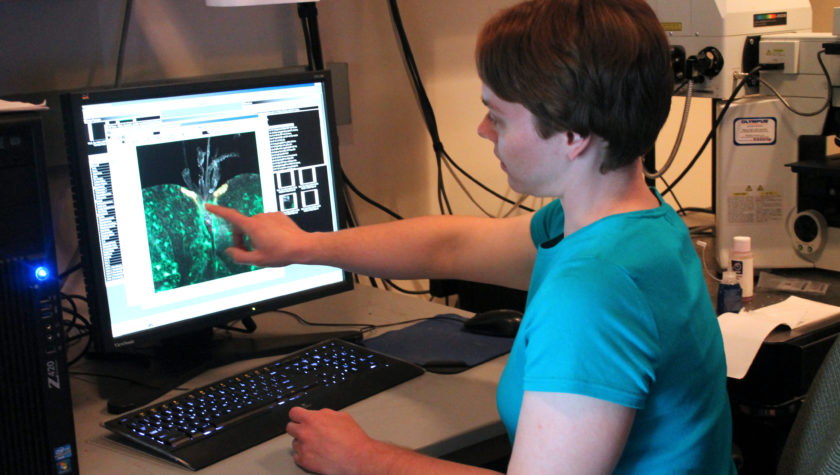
(591, 295)
(588, 277)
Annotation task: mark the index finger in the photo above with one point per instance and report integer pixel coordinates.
(229, 214)
(297, 414)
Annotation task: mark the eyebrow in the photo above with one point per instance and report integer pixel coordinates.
(488, 104)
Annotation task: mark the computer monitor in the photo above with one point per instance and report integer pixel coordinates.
(143, 163)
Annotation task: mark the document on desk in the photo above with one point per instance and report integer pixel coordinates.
(744, 332)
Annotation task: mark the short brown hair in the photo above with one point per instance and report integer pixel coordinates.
(586, 66)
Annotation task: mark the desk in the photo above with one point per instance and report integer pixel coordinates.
(765, 402)
(434, 414)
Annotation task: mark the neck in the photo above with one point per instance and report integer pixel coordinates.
(598, 195)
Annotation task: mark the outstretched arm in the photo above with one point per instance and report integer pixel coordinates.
(490, 250)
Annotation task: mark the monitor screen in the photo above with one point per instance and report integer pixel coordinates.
(145, 160)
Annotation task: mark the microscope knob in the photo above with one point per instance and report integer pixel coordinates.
(808, 232)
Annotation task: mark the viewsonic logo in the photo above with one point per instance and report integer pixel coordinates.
(120, 344)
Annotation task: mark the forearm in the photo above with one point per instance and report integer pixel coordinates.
(413, 248)
(456, 247)
(332, 443)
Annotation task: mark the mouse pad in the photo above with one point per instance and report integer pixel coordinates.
(440, 345)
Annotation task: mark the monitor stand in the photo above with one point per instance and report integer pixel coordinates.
(129, 380)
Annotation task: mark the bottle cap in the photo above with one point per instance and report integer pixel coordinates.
(741, 244)
(729, 277)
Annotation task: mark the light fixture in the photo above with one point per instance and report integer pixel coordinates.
(246, 3)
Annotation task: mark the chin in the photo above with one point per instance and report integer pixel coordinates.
(524, 189)
(518, 187)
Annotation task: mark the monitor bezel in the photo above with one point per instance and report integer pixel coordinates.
(87, 229)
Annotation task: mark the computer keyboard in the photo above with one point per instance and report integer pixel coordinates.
(213, 422)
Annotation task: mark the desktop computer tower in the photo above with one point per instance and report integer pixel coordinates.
(36, 411)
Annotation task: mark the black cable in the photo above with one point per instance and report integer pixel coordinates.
(480, 184)
(74, 310)
(350, 215)
(83, 328)
(698, 210)
(673, 195)
(77, 317)
(443, 200)
(784, 100)
(368, 200)
(83, 331)
(429, 118)
(62, 276)
(308, 13)
(703, 230)
(715, 125)
(680, 86)
(300, 319)
(352, 222)
(77, 322)
(365, 327)
(405, 291)
(74, 296)
(351, 218)
(315, 35)
(121, 49)
(307, 40)
(248, 323)
(425, 106)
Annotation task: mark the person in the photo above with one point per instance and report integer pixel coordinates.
(618, 364)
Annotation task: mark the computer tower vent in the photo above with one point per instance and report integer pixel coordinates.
(35, 404)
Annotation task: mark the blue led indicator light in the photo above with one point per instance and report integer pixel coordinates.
(42, 273)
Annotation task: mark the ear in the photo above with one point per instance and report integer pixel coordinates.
(578, 144)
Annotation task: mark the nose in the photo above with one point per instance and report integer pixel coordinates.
(486, 130)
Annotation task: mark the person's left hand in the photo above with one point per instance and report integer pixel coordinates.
(328, 442)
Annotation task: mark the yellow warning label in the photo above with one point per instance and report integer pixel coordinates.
(672, 26)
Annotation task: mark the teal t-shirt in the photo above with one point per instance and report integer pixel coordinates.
(619, 311)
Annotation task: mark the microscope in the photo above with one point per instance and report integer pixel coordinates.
(770, 80)
(776, 180)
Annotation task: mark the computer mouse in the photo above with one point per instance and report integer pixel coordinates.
(501, 322)
(445, 366)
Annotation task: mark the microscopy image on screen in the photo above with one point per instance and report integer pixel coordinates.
(187, 243)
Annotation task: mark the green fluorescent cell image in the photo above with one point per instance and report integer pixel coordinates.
(186, 243)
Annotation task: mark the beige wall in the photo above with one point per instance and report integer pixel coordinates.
(385, 151)
(823, 14)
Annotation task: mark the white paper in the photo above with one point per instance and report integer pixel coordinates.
(17, 106)
(743, 333)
